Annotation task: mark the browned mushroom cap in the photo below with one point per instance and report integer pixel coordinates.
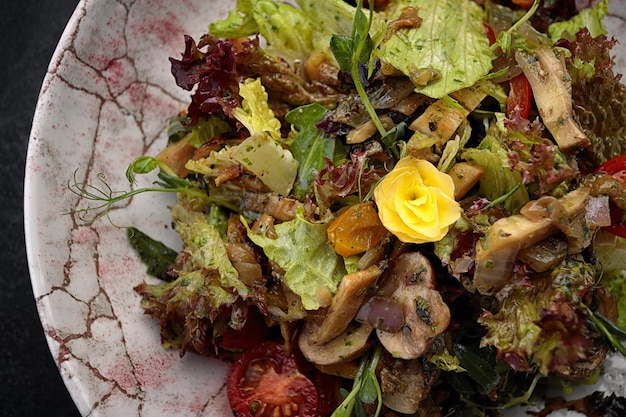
(425, 312)
(353, 342)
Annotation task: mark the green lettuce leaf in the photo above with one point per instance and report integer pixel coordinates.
(207, 129)
(255, 113)
(311, 145)
(591, 18)
(270, 162)
(436, 45)
(203, 243)
(302, 251)
(499, 179)
(206, 287)
(239, 23)
(275, 21)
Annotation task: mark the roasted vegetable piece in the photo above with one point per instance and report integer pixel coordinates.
(350, 344)
(465, 176)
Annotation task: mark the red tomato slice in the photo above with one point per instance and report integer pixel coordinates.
(519, 101)
(617, 168)
(265, 382)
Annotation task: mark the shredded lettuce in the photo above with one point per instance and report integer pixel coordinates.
(543, 324)
(460, 60)
(301, 249)
(590, 18)
(206, 282)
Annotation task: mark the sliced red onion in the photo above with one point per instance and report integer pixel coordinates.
(382, 313)
(598, 211)
(462, 265)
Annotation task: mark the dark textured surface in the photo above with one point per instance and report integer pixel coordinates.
(30, 384)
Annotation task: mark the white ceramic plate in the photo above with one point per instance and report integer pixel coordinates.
(105, 100)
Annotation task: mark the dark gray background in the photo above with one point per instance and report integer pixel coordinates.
(30, 384)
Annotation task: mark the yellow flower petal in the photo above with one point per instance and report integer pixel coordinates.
(416, 201)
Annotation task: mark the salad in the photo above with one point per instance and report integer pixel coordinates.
(404, 207)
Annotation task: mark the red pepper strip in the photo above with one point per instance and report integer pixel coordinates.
(491, 35)
(523, 3)
(519, 101)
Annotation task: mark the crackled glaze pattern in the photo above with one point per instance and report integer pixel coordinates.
(105, 101)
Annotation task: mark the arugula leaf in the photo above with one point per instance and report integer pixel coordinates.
(310, 147)
(437, 45)
(477, 367)
(343, 49)
(157, 256)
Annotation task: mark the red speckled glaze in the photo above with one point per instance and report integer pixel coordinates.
(105, 100)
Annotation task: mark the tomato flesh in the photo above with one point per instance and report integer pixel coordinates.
(356, 230)
(265, 382)
(615, 167)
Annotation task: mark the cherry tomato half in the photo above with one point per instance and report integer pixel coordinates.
(617, 168)
(519, 101)
(265, 382)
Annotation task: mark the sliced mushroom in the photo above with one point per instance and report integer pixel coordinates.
(425, 312)
(405, 384)
(345, 304)
(497, 250)
(552, 91)
(353, 342)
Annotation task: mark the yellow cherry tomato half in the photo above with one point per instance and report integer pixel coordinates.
(356, 230)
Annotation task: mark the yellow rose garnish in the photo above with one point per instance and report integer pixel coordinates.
(416, 201)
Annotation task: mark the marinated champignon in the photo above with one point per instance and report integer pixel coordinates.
(426, 314)
(405, 384)
(353, 342)
(345, 304)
